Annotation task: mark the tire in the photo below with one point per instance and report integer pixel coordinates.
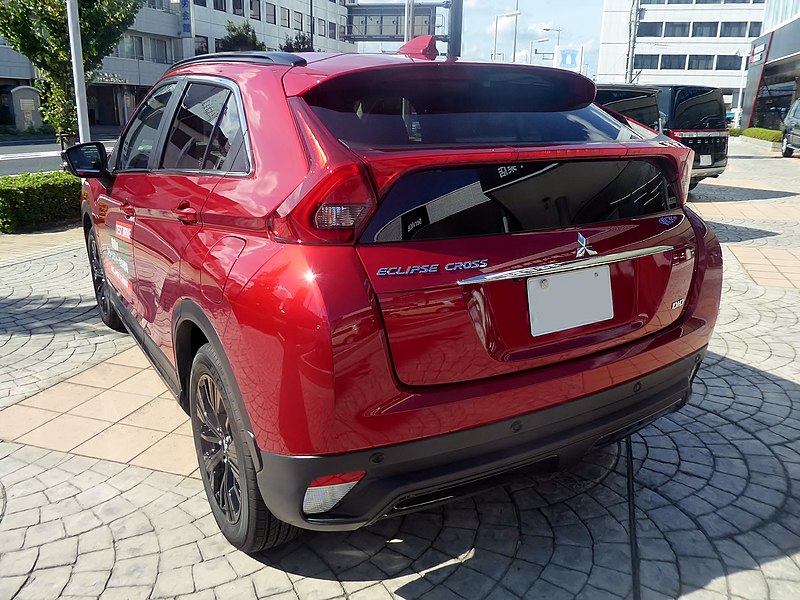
(226, 466)
(693, 183)
(786, 151)
(108, 313)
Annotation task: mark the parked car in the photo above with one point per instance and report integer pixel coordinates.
(791, 130)
(636, 102)
(376, 283)
(695, 116)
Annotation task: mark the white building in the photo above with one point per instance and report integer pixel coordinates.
(701, 42)
(168, 30)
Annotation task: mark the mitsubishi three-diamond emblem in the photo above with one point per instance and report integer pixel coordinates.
(583, 248)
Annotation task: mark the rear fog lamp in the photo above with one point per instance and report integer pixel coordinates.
(326, 492)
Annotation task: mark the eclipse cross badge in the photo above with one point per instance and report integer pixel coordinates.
(584, 249)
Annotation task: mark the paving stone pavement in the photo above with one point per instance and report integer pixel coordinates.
(715, 502)
(49, 326)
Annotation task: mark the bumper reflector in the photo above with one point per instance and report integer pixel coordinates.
(326, 492)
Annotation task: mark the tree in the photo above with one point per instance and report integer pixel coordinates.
(38, 30)
(240, 37)
(300, 43)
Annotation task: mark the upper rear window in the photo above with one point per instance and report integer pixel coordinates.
(475, 106)
(690, 107)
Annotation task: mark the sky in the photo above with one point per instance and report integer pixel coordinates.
(579, 21)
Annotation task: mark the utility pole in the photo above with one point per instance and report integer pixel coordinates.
(633, 30)
(311, 25)
(409, 18)
(516, 22)
(454, 28)
(78, 77)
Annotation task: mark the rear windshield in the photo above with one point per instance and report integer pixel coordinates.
(637, 105)
(692, 107)
(517, 198)
(472, 107)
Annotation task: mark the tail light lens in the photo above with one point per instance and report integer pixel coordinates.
(326, 492)
(334, 200)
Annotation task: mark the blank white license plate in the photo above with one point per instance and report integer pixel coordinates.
(567, 300)
(705, 160)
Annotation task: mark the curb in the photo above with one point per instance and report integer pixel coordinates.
(763, 144)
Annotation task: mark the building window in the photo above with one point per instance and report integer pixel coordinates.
(676, 29)
(285, 17)
(729, 63)
(755, 29)
(218, 45)
(270, 13)
(322, 27)
(734, 29)
(200, 2)
(645, 61)
(650, 29)
(758, 1)
(737, 1)
(219, 5)
(680, 1)
(134, 47)
(158, 51)
(708, 2)
(652, 1)
(705, 29)
(238, 7)
(255, 9)
(673, 61)
(298, 21)
(200, 45)
(309, 24)
(332, 29)
(699, 62)
(342, 27)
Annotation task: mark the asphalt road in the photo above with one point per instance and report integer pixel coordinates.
(30, 158)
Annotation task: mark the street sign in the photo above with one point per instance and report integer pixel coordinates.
(384, 22)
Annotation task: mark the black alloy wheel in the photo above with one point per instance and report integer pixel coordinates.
(100, 285)
(220, 459)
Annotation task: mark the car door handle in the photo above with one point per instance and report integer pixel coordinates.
(128, 210)
(186, 215)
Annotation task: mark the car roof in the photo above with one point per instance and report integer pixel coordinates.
(628, 87)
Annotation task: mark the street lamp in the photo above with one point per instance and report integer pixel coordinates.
(558, 33)
(530, 49)
(515, 13)
(742, 82)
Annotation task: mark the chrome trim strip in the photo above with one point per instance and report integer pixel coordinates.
(563, 267)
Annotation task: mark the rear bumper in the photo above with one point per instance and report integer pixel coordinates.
(703, 172)
(418, 474)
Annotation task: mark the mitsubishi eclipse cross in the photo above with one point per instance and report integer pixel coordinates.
(376, 283)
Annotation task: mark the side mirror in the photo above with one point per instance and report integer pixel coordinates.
(90, 161)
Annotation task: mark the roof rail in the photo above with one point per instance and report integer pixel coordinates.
(275, 58)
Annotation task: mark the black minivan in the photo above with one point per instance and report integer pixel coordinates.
(691, 114)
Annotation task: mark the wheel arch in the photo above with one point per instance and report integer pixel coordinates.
(191, 329)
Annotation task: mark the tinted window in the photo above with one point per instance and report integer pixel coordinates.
(194, 123)
(645, 61)
(141, 137)
(673, 61)
(735, 29)
(755, 29)
(534, 196)
(227, 151)
(692, 107)
(701, 61)
(705, 29)
(472, 106)
(635, 104)
(729, 63)
(676, 30)
(650, 29)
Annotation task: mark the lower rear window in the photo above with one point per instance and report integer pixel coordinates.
(516, 198)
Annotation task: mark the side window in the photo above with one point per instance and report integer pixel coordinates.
(142, 135)
(190, 134)
(227, 151)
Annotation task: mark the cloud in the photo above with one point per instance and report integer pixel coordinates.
(538, 29)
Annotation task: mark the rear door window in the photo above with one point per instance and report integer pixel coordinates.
(190, 135)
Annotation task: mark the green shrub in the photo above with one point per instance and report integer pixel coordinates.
(770, 135)
(734, 131)
(36, 200)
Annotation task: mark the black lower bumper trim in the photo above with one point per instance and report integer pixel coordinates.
(418, 474)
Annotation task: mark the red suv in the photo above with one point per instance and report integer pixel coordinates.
(376, 283)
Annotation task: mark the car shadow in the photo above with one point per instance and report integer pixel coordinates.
(35, 314)
(715, 503)
(728, 233)
(728, 193)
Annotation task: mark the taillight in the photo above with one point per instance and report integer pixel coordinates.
(686, 176)
(334, 200)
